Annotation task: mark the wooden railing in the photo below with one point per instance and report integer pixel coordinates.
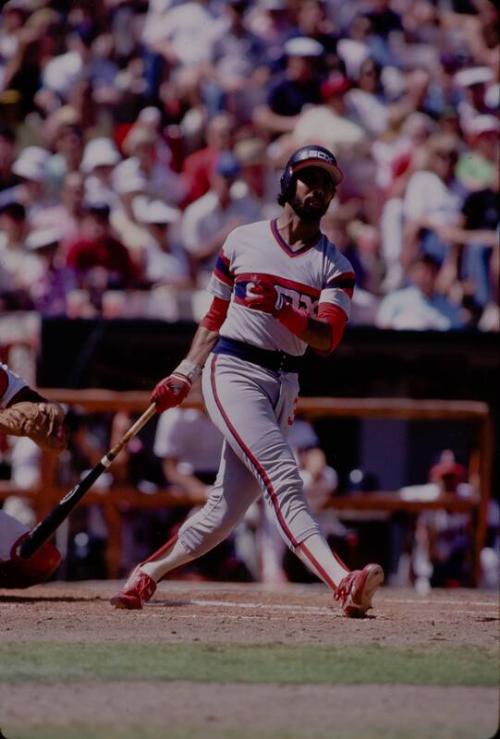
(117, 500)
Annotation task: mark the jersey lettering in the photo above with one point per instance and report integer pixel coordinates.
(299, 300)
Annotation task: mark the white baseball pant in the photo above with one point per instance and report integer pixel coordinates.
(253, 408)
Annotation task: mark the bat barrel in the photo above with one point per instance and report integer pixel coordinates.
(43, 530)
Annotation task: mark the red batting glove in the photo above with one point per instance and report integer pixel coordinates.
(262, 295)
(171, 391)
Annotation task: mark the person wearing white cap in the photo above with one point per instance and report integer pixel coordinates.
(297, 87)
(473, 83)
(128, 183)
(142, 144)
(65, 216)
(477, 167)
(208, 221)
(31, 163)
(183, 33)
(100, 156)
(165, 261)
(31, 166)
(49, 292)
(18, 267)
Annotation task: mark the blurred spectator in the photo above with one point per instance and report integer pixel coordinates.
(490, 318)
(100, 261)
(30, 167)
(66, 215)
(183, 34)
(18, 267)
(198, 167)
(329, 124)
(419, 306)
(476, 168)
(442, 539)
(68, 156)
(141, 144)
(273, 24)
(473, 82)
(432, 200)
(7, 156)
(99, 159)
(313, 22)
(50, 291)
(165, 261)
(209, 220)
(298, 86)
(239, 64)
(258, 174)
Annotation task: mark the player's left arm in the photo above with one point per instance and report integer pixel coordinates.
(323, 333)
(172, 390)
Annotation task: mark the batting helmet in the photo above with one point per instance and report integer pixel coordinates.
(307, 156)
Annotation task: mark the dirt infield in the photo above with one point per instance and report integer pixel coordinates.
(250, 614)
(192, 613)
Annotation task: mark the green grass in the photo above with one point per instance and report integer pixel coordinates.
(139, 732)
(352, 665)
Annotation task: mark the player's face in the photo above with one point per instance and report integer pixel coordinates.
(313, 193)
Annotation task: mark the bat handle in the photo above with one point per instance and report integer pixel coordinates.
(133, 431)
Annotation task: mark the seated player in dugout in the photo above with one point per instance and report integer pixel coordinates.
(24, 412)
(278, 287)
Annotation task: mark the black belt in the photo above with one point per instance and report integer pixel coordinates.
(276, 361)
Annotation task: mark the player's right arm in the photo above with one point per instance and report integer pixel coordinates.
(172, 390)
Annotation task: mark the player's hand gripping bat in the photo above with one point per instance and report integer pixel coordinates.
(45, 528)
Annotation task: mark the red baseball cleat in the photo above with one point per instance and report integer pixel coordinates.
(22, 573)
(355, 591)
(138, 589)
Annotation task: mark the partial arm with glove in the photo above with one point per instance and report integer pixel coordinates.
(172, 390)
(323, 333)
(43, 422)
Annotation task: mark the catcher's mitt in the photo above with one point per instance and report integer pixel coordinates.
(41, 422)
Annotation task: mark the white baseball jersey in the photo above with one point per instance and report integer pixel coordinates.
(313, 275)
(10, 384)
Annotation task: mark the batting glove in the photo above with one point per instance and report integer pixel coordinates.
(172, 390)
(262, 295)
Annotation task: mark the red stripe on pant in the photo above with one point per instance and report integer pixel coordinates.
(260, 470)
(267, 482)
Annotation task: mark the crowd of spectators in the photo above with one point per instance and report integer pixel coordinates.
(136, 135)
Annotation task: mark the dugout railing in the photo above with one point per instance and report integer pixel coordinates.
(120, 499)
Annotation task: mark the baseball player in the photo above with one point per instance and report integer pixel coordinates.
(278, 286)
(24, 412)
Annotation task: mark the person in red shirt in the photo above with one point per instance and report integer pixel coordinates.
(99, 260)
(199, 166)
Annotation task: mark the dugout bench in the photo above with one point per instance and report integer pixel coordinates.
(120, 499)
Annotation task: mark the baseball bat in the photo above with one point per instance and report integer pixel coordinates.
(47, 526)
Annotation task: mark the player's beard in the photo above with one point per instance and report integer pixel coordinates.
(308, 212)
